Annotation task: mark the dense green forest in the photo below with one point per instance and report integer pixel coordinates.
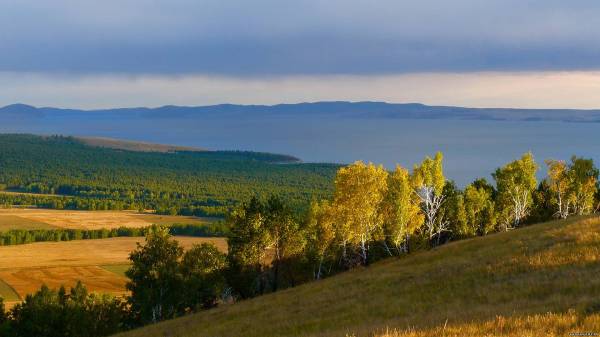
(187, 183)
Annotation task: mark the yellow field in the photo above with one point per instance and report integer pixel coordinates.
(32, 218)
(99, 264)
(11, 221)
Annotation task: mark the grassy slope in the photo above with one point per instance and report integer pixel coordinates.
(520, 275)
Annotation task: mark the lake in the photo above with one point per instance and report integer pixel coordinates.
(472, 148)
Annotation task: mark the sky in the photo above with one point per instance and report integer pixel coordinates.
(98, 54)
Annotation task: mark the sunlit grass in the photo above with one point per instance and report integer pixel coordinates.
(548, 325)
(527, 282)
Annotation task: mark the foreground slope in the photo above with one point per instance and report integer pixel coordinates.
(536, 281)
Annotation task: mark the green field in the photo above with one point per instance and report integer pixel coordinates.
(118, 269)
(7, 293)
(540, 280)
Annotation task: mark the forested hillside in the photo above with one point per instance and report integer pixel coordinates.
(198, 183)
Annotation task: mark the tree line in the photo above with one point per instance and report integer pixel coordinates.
(372, 214)
(24, 236)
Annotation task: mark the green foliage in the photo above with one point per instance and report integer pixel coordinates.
(155, 281)
(247, 247)
(51, 313)
(479, 209)
(453, 211)
(516, 182)
(202, 268)
(583, 177)
(3, 316)
(186, 183)
(166, 282)
(267, 247)
(572, 188)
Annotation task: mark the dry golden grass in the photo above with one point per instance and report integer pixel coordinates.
(32, 218)
(28, 280)
(129, 145)
(548, 325)
(521, 275)
(11, 221)
(24, 268)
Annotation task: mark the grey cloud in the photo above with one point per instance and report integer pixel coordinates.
(270, 37)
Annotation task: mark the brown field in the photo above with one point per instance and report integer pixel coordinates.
(32, 218)
(99, 264)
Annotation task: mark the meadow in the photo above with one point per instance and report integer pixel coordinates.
(537, 280)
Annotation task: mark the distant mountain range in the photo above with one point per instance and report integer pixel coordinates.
(332, 109)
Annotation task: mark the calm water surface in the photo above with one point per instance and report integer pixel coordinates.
(472, 148)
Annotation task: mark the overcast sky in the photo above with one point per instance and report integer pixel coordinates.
(106, 53)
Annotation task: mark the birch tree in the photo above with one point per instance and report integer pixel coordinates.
(359, 191)
(516, 182)
(247, 245)
(402, 213)
(285, 237)
(558, 180)
(479, 209)
(155, 280)
(429, 185)
(321, 234)
(583, 176)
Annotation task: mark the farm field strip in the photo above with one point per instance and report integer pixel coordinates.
(11, 221)
(28, 280)
(32, 218)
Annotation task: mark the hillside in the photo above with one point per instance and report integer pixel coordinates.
(62, 172)
(540, 280)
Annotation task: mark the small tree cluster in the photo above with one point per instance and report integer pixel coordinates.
(51, 313)
(166, 282)
(265, 247)
(573, 186)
